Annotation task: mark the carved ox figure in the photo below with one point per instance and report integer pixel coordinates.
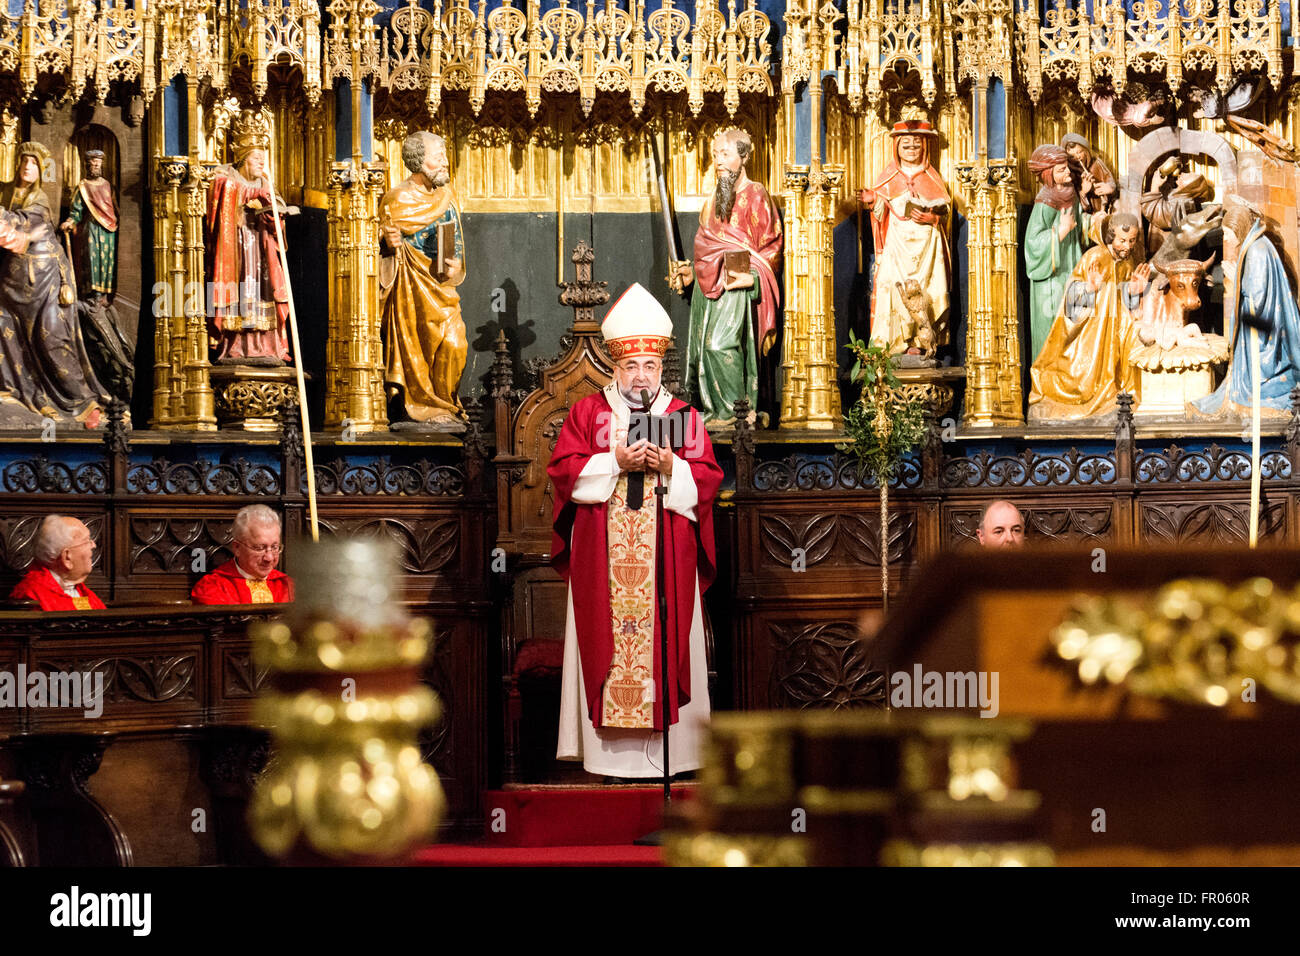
(1163, 313)
(1186, 233)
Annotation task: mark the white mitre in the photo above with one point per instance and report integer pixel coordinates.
(637, 325)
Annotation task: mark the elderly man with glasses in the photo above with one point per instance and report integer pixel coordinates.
(65, 553)
(250, 577)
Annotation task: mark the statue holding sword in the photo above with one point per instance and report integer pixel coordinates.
(733, 305)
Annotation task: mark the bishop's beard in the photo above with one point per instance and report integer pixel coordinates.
(724, 196)
(440, 179)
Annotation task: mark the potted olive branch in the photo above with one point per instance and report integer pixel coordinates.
(882, 427)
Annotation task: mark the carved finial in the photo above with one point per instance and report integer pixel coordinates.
(291, 435)
(503, 377)
(116, 433)
(743, 440)
(476, 446)
(1124, 416)
(672, 376)
(582, 294)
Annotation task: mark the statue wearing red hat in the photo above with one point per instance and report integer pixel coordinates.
(910, 214)
(602, 472)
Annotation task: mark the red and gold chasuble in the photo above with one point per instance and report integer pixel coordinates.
(607, 553)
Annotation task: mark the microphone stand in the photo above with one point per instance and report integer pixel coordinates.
(661, 593)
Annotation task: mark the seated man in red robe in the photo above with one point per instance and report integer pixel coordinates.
(64, 556)
(607, 461)
(250, 577)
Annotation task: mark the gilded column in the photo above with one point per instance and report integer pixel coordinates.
(810, 397)
(993, 392)
(169, 291)
(1006, 250)
(794, 374)
(354, 374)
(182, 390)
(810, 394)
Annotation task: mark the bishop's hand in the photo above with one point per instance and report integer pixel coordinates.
(631, 457)
(660, 460)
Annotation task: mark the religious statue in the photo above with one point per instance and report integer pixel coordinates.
(1261, 323)
(909, 207)
(248, 294)
(1175, 194)
(45, 370)
(92, 227)
(1084, 364)
(94, 210)
(1054, 239)
(737, 252)
(1097, 188)
(1175, 359)
(423, 332)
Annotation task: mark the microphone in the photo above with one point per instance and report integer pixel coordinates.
(636, 479)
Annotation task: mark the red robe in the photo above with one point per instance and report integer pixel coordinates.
(581, 552)
(755, 226)
(228, 196)
(98, 196)
(39, 585)
(226, 585)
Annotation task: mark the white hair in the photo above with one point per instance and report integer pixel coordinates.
(253, 515)
(55, 536)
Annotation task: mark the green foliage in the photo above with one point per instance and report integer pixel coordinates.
(879, 442)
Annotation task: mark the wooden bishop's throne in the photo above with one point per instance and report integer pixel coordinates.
(533, 613)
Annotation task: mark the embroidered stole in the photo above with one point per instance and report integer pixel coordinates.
(260, 590)
(627, 696)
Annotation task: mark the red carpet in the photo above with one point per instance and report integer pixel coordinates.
(563, 826)
(574, 816)
(449, 855)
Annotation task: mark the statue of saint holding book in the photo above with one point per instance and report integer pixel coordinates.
(733, 305)
(910, 215)
(424, 261)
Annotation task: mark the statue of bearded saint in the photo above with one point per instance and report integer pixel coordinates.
(249, 295)
(733, 306)
(1085, 362)
(423, 331)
